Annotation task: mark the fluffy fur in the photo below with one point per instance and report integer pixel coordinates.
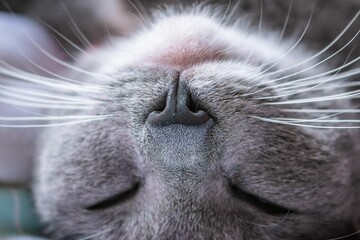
(221, 180)
(277, 160)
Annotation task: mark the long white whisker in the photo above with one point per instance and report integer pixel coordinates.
(65, 64)
(319, 63)
(345, 236)
(67, 52)
(61, 62)
(323, 50)
(58, 77)
(95, 235)
(251, 53)
(43, 100)
(66, 39)
(347, 95)
(140, 14)
(47, 94)
(304, 125)
(46, 81)
(77, 30)
(52, 118)
(319, 75)
(227, 10)
(286, 21)
(233, 11)
(309, 120)
(321, 110)
(43, 106)
(299, 120)
(293, 47)
(335, 86)
(301, 90)
(51, 124)
(310, 88)
(346, 74)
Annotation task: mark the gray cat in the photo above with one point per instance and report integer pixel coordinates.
(201, 127)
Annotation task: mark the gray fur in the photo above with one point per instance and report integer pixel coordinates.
(184, 173)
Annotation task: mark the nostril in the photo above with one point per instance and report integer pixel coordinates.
(180, 108)
(193, 105)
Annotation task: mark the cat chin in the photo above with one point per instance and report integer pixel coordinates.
(185, 40)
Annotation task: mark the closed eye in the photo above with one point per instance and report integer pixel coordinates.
(114, 200)
(260, 203)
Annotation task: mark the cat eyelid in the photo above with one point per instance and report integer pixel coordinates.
(260, 203)
(114, 199)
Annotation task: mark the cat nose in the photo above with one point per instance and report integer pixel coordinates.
(180, 108)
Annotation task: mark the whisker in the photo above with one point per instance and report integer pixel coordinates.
(346, 75)
(319, 63)
(43, 100)
(335, 86)
(227, 10)
(318, 75)
(141, 8)
(65, 38)
(321, 110)
(345, 236)
(43, 106)
(67, 52)
(347, 95)
(65, 64)
(46, 94)
(310, 88)
(323, 50)
(310, 120)
(136, 8)
(233, 11)
(298, 120)
(111, 40)
(251, 53)
(278, 223)
(293, 47)
(304, 125)
(261, 16)
(51, 124)
(76, 29)
(46, 81)
(95, 235)
(52, 118)
(305, 81)
(58, 77)
(286, 21)
(57, 60)
(301, 90)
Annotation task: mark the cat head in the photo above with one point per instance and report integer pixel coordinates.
(190, 139)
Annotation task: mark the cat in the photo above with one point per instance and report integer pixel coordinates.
(199, 127)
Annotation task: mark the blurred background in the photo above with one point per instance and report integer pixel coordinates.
(38, 36)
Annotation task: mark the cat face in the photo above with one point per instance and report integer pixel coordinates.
(182, 150)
